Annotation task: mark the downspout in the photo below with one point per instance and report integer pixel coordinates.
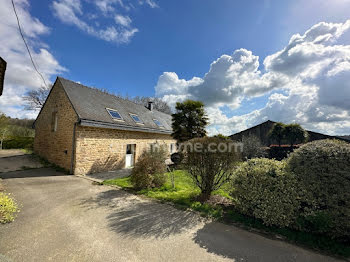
(73, 147)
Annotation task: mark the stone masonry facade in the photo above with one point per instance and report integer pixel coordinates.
(100, 149)
(56, 146)
(96, 149)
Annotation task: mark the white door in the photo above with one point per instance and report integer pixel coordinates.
(130, 155)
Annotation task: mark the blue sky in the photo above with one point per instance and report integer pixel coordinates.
(151, 38)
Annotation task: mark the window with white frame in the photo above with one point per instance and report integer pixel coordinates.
(136, 118)
(114, 114)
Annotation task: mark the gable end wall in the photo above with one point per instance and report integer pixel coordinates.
(56, 147)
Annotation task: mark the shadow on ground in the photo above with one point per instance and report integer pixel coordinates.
(242, 245)
(37, 172)
(133, 216)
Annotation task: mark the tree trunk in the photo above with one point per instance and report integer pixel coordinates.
(205, 195)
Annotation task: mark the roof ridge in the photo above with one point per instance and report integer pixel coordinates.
(107, 93)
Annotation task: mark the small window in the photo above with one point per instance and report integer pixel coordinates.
(114, 114)
(54, 121)
(172, 148)
(158, 123)
(136, 118)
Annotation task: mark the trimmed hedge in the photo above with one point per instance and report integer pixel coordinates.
(18, 143)
(262, 189)
(322, 169)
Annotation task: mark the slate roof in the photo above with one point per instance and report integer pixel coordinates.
(90, 105)
(2, 74)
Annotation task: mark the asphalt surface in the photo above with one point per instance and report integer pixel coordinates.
(68, 218)
(16, 159)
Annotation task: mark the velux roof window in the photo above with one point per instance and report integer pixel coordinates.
(114, 114)
(158, 123)
(136, 118)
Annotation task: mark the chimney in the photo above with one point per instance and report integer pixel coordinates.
(150, 105)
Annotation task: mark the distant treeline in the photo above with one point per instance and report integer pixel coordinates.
(16, 133)
(21, 122)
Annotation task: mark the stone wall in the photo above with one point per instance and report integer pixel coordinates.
(56, 146)
(100, 149)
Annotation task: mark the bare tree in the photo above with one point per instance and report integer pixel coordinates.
(209, 169)
(252, 147)
(158, 103)
(35, 99)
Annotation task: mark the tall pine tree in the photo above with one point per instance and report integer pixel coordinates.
(189, 121)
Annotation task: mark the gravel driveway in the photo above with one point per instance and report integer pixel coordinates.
(67, 218)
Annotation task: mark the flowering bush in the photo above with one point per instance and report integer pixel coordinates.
(8, 208)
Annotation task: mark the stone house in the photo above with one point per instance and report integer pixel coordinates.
(85, 130)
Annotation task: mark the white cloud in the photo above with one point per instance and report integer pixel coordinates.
(230, 78)
(108, 5)
(122, 20)
(150, 3)
(20, 75)
(71, 12)
(309, 80)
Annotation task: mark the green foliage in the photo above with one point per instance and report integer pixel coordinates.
(18, 142)
(15, 133)
(182, 195)
(295, 133)
(8, 208)
(210, 162)
(149, 169)
(189, 121)
(20, 131)
(221, 136)
(279, 152)
(277, 132)
(323, 172)
(261, 188)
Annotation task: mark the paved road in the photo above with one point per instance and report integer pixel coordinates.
(67, 218)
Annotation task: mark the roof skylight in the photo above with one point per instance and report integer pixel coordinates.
(114, 114)
(136, 118)
(158, 123)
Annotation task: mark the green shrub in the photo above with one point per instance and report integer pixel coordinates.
(8, 208)
(18, 142)
(322, 169)
(209, 161)
(262, 189)
(149, 171)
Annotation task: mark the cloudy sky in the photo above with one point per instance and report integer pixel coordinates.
(248, 61)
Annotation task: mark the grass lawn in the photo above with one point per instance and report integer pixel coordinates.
(183, 197)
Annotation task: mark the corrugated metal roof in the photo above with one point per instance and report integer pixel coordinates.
(90, 104)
